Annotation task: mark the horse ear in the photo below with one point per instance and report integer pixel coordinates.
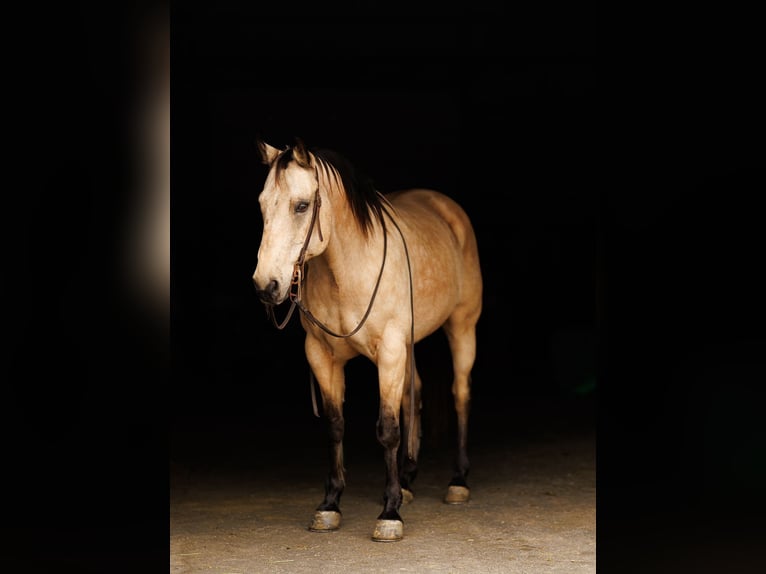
(300, 153)
(268, 153)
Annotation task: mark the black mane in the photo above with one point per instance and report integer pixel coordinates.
(365, 201)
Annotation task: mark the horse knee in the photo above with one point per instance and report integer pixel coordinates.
(335, 422)
(461, 392)
(336, 427)
(388, 431)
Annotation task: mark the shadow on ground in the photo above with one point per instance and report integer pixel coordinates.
(533, 505)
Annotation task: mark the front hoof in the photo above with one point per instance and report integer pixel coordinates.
(388, 531)
(325, 521)
(407, 496)
(457, 494)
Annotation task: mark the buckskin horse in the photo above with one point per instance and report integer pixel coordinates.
(371, 275)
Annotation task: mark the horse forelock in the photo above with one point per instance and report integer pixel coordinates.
(364, 200)
(280, 164)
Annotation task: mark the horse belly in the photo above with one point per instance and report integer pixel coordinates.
(437, 289)
(442, 250)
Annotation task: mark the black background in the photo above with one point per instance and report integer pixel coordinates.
(613, 171)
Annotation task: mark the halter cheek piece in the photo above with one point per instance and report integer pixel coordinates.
(297, 280)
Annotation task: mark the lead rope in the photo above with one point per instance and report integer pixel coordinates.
(363, 320)
(322, 326)
(295, 300)
(410, 434)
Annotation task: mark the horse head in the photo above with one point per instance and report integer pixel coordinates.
(292, 222)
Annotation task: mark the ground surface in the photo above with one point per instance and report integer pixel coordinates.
(533, 510)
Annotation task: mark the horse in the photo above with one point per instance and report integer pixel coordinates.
(371, 275)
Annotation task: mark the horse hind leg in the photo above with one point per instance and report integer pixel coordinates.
(410, 446)
(462, 342)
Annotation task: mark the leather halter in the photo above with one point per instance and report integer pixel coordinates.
(296, 284)
(299, 276)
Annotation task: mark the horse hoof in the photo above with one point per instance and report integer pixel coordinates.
(457, 494)
(388, 531)
(407, 496)
(325, 521)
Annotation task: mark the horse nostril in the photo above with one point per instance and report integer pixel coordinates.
(269, 293)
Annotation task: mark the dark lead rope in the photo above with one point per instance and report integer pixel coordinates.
(295, 298)
(410, 434)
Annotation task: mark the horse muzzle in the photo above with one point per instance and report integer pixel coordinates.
(270, 294)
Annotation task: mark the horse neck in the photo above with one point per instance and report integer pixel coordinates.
(352, 257)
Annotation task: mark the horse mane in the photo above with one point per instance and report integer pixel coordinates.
(365, 201)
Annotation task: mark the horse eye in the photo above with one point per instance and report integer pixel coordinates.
(301, 206)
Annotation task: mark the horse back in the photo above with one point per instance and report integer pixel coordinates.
(442, 241)
(418, 207)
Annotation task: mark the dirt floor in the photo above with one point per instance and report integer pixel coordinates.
(533, 510)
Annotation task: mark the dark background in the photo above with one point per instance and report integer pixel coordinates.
(537, 232)
(613, 174)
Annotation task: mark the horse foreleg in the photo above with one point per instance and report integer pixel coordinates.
(330, 377)
(391, 369)
(327, 515)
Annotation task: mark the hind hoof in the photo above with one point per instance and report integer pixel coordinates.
(457, 494)
(407, 496)
(388, 531)
(325, 521)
